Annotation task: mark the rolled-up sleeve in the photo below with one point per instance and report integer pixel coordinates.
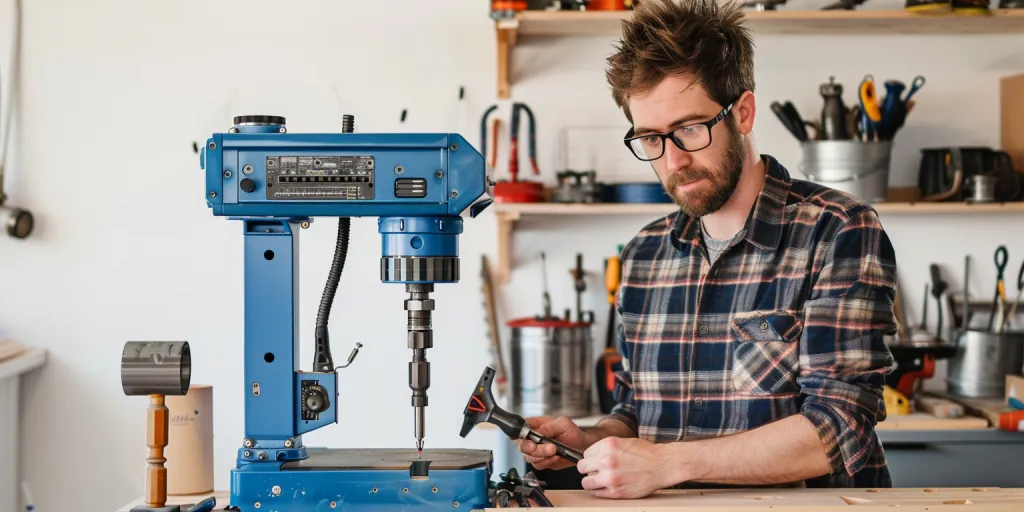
(843, 356)
(625, 408)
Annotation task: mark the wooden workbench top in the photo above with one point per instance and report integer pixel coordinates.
(939, 499)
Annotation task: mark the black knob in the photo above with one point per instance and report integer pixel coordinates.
(19, 223)
(247, 185)
(316, 399)
(260, 119)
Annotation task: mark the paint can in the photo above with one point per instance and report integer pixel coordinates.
(551, 367)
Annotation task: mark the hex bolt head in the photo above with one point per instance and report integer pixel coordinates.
(213, 194)
(247, 169)
(227, 174)
(213, 145)
(289, 443)
(275, 490)
(247, 453)
(334, 504)
(455, 147)
(248, 443)
(262, 456)
(455, 193)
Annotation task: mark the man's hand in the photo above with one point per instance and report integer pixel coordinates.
(627, 468)
(563, 430)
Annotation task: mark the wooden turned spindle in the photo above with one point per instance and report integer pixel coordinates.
(156, 438)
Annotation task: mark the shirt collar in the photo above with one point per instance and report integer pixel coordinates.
(765, 222)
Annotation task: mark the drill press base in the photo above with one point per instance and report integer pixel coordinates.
(366, 479)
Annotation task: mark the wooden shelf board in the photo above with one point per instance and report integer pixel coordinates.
(519, 209)
(894, 22)
(508, 214)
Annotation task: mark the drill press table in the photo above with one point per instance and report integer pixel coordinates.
(938, 499)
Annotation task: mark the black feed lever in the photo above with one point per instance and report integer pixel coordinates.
(482, 409)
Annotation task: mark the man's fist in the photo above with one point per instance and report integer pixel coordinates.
(561, 429)
(627, 468)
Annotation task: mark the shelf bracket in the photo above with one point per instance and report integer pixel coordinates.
(506, 228)
(506, 30)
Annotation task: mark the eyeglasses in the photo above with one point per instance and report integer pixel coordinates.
(694, 137)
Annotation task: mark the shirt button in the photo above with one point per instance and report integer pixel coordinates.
(703, 329)
(698, 402)
(764, 326)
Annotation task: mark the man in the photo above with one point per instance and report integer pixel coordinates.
(753, 317)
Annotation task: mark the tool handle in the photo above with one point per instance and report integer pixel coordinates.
(561, 450)
(613, 276)
(1001, 256)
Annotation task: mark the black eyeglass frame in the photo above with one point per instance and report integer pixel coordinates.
(710, 123)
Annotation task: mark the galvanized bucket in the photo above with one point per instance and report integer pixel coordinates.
(854, 167)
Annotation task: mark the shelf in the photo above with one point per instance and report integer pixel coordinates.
(781, 22)
(508, 214)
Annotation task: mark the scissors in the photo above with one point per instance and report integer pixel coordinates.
(872, 114)
(999, 300)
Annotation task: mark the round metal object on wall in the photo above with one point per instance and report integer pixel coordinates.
(156, 368)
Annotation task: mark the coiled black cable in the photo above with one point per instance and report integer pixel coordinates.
(322, 359)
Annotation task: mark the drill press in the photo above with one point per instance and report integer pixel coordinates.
(418, 186)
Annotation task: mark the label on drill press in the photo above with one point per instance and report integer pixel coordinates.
(320, 177)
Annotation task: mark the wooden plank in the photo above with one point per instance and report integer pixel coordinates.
(222, 498)
(925, 421)
(666, 208)
(1011, 106)
(795, 22)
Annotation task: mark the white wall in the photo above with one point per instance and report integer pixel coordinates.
(114, 93)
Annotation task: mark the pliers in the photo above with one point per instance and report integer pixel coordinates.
(513, 160)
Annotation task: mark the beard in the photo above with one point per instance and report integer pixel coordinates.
(720, 182)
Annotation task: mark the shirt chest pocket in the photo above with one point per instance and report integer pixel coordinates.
(766, 358)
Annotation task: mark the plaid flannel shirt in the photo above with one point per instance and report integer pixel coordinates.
(789, 320)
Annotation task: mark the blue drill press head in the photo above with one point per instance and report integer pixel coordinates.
(419, 185)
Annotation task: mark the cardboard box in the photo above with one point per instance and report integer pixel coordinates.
(1014, 388)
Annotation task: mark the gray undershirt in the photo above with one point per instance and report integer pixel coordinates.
(717, 247)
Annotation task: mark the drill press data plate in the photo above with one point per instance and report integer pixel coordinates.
(366, 479)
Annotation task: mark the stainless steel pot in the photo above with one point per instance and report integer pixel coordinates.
(550, 369)
(858, 168)
(982, 362)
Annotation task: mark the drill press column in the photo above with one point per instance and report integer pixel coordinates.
(421, 337)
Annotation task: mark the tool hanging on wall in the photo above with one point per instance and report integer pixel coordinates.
(513, 190)
(491, 309)
(19, 222)
(995, 320)
(580, 284)
(611, 360)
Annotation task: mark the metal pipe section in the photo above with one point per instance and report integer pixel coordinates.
(156, 368)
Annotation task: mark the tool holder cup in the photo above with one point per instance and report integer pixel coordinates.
(982, 361)
(851, 166)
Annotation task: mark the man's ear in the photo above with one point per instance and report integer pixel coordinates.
(743, 111)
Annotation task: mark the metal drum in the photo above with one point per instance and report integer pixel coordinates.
(858, 168)
(982, 361)
(550, 367)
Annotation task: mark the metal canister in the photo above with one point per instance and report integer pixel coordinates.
(550, 367)
(982, 362)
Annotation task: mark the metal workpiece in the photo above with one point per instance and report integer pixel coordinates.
(156, 368)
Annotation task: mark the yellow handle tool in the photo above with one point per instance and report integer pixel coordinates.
(869, 101)
(612, 277)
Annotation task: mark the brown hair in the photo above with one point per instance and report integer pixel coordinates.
(683, 37)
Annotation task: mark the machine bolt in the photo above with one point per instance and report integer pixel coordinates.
(399, 169)
(456, 504)
(247, 453)
(304, 224)
(227, 174)
(247, 169)
(434, 489)
(283, 129)
(275, 490)
(213, 194)
(439, 174)
(405, 489)
(213, 145)
(289, 443)
(374, 490)
(455, 193)
(334, 504)
(455, 147)
(262, 456)
(248, 443)
(257, 504)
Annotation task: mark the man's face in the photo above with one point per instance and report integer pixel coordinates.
(701, 181)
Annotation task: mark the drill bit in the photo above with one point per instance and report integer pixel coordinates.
(419, 429)
(421, 337)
